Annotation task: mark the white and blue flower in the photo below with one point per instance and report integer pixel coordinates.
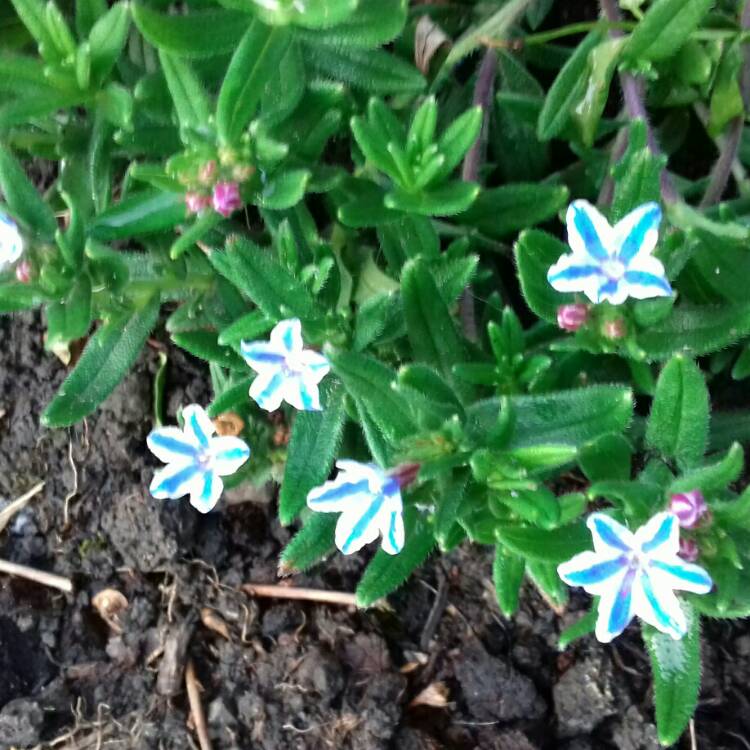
(610, 264)
(636, 574)
(286, 370)
(195, 459)
(11, 242)
(369, 501)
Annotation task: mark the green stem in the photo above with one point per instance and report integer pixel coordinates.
(543, 37)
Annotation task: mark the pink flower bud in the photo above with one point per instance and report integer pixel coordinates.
(689, 507)
(196, 202)
(226, 198)
(23, 272)
(614, 329)
(689, 550)
(405, 474)
(572, 317)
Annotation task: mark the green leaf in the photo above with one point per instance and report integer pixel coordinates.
(449, 501)
(372, 70)
(107, 40)
(205, 345)
(87, 14)
(141, 213)
(189, 96)
(607, 457)
(458, 138)
(193, 234)
(502, 211)
(695, 330)
(200, 33)
(70, 319)
(582, 627)
(247, 328)
(565, 418)
(385, 573)
(309, 545)
(446, 200)
(312, 14)
(544, 576)
(566, 90)
(552, 546)
(507, 574)
(22, 198)
(678, 424)
(666, 26)
(256, 273)
(106, 359)
(233, 398)
(432, 331)
(676, 667)
(33, 15)
(315, 441)
(371, 382)
(255, 62)
(285, 190)
(714, 477)
(15, 297)
(370, 25)
(535, 253)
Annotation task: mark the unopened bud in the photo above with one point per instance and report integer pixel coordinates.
(689, 507)
(614, 329)
(23, 272)
(689, 550)
(207, 173)
(226, 198)
(196, 202)
(572, 317)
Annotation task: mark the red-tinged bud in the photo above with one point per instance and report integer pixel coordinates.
(572, 317)
(689, 507)
(405, 474)
(614, 329)
(226, 198)
(23, 272)
(196, 202)
(689, 550)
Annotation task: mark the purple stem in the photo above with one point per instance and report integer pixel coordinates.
(633, 94)
(470, 171)
(722, 169)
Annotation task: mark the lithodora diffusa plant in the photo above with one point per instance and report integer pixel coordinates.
(337, 205)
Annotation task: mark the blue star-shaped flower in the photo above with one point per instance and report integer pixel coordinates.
(286, 370)
(611, 263)
(636, 574)
(196, 460)
(11, 242)
(369, 501)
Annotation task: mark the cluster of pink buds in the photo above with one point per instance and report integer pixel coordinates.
(224, 197)
(572, 317)
(690, 509)
(23, 272)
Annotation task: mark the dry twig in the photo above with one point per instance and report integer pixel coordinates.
(38, 576)
(272, 591)
(19, 504)
(196, 708)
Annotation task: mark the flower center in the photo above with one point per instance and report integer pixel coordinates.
(293, 364)
(613, 269)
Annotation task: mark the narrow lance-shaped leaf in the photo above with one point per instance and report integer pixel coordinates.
(678, 423)
(106, 359)
(254, 63)
(312, 449)
(676, 667)
(386, 573)
(188, 94)
(309, 545)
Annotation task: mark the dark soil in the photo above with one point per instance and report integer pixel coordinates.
(289, 675)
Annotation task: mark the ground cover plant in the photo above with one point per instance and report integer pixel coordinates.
(459, 275)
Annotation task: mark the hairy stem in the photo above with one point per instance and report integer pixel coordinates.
(633, 94)
(722, 169)
(483, 90)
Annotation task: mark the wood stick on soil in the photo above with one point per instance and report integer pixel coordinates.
(19, 504)
(272, 591)
(38, 576)
(196, 707)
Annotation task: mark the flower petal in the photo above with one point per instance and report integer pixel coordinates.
(612, 291)
(262, 356)
(646, 278)
(269, 389)
(171, 445)
(589, 233)
(393, 533)
(357, 528)
(638, 233)
(678, 574)
(592, 571)
(286, 336)
(615, 609)
(174, 480)
(316, 364)
(660, 537)
(206, 493)
(610, 538)
(572, 274)
(302, 393)
(340, 494)
(657, 605)
(198, 426)
(229, 453)
(11, 242)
